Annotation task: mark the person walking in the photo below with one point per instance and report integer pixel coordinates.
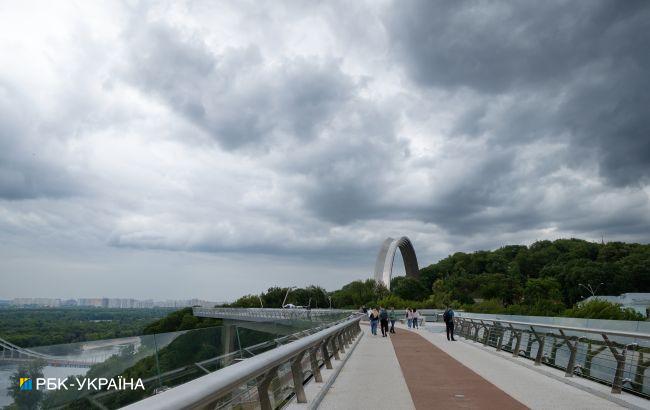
(409, 317)
(392, 317)
(374, 319)
(416, 319)
(383, 318)
(448, 317)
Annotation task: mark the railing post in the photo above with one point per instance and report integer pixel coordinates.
(476, 329)
(518, 335)
(313, 361)
(500, 338)
(573, 348)
(326, 355)
(540, 348)
(263, 389)
(641, 367)
(335, 347)
(486, 333)
(298, 377)
(617, 384)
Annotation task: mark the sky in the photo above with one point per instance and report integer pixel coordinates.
(211, 149)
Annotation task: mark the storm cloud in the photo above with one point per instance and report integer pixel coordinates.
(280, 143)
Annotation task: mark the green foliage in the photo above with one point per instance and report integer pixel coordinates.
(359, 293)
(540, 289)
(602, 309)
(408, 288)
(312, 296)
(26, 399)
(541, 279)
(27, 327)
(180, 320)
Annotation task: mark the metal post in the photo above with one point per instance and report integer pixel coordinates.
(241, 350)
(573, 347)
(313, 361)
(540, 348)
(298, 377)
(340, 342)
(326, 355)
(155, 346)
(518, 335)
(500, 338)
(263, 389)
(486, 333)
(617, 384)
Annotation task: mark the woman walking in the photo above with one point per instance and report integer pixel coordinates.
(391, 318)
(383, 318)
(409, 317)
(374, 319)
(416, 319)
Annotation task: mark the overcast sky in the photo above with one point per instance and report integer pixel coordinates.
(212, 149)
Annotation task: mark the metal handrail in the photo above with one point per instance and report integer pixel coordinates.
(470, 327)
(568, 328)
(206, 390)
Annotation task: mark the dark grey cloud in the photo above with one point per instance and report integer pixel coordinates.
(237, 96)
(573, 70)
(29, 166)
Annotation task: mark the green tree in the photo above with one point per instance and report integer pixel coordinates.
(540, 289)
(409, 288)
(26, 399)
(602, 309)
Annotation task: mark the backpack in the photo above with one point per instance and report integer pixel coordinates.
(446, 316)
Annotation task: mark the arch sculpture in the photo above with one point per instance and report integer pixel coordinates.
(384, 264)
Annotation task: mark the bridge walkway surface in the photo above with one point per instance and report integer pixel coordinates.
(420, 369)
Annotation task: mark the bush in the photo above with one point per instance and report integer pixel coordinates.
(602, 309)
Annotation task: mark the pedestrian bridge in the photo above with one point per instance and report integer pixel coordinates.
(261, 359)
(494, 363)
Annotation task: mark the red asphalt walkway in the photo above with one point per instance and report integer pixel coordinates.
(436, 380)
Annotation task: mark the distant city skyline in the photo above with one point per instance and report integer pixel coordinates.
(178, 149)
(104, 302)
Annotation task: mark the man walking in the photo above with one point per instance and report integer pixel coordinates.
(448, 317)
(392, 317)
(383, 319)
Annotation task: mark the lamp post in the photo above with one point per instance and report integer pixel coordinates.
(590, 288)
(287, 294)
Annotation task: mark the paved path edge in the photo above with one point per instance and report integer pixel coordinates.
(313, 405)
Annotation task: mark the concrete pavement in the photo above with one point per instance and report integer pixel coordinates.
(371, 379)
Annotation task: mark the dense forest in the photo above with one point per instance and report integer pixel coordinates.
(28, 327)
(546, 278)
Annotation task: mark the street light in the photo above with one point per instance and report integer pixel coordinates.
(590, 288)
(287, 294)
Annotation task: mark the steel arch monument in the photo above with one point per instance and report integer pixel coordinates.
(384, 264)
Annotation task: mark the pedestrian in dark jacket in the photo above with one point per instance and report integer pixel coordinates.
(383, 320)
(448, 317)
